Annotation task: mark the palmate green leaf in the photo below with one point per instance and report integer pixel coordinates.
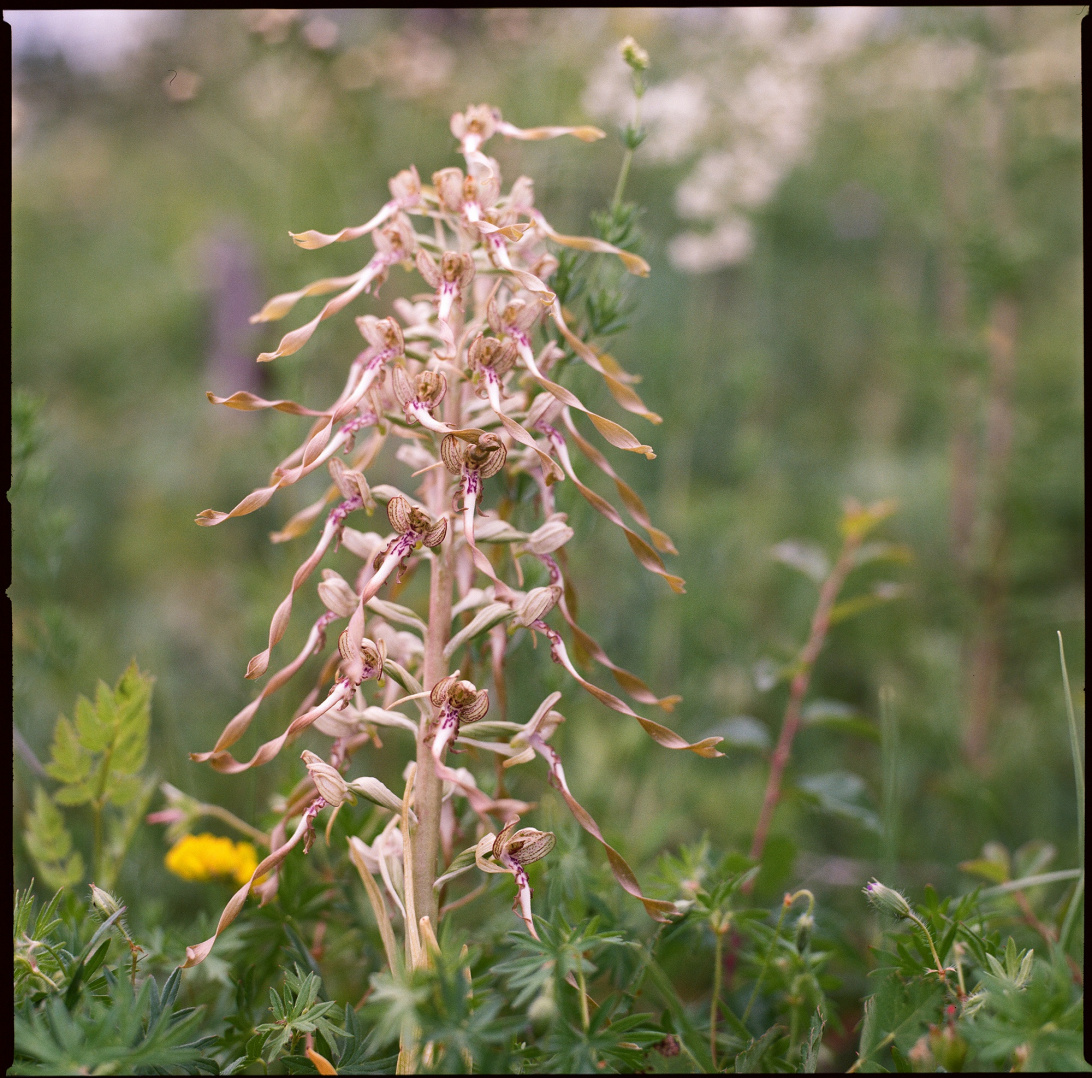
(50, 845)
(899, 1011)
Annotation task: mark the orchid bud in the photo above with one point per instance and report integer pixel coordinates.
(336, 595)
(362, 544)
(449, 188)
(375, 791)
(332, 788)
(537, 603)
(551, 536)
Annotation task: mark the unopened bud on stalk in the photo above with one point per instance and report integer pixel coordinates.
(104, 902)
(805, 923)
(887, 900)
(633, 54)
(537, 603)
(336, 595)
(376, 792)
(552, 535)
(332, 788)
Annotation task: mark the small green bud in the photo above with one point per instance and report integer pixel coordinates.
(633, 54)
(104, 902)
(887, 900)
(804, 925)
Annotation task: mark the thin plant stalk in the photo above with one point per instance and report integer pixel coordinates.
(889, 748)
(718, 949)
(1075, 903)
(820, 624)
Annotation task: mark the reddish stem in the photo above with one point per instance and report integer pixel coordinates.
(820, 623)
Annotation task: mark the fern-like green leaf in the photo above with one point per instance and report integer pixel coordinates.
(50, 845)
(71, 762)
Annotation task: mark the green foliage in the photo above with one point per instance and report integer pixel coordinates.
(98, 762)
(79, 1013)
(296, 1012)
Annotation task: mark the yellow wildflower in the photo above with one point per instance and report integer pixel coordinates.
(201, 857)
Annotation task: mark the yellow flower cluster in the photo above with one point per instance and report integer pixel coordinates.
(201, 857)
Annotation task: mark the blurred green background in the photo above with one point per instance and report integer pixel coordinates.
(865, 239)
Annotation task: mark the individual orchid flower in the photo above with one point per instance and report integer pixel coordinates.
(513, 850)
(415, 528)
(384, 336)
(372, 655)
(405, 190)
(490, 360)
(449, 279)
(472, 462)
(419, 396)
(331, 787)
(460, 702)
(480, 122)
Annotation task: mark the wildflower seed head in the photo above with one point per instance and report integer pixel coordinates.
(887, 900)
(633, 54)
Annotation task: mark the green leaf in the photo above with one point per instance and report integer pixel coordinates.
(809, 1053)
(806, 558)
(70, 762)
(747, 1062)
(897, 1013)
(81, 793)
(50, 845)
(841, 793)
(95, 734)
